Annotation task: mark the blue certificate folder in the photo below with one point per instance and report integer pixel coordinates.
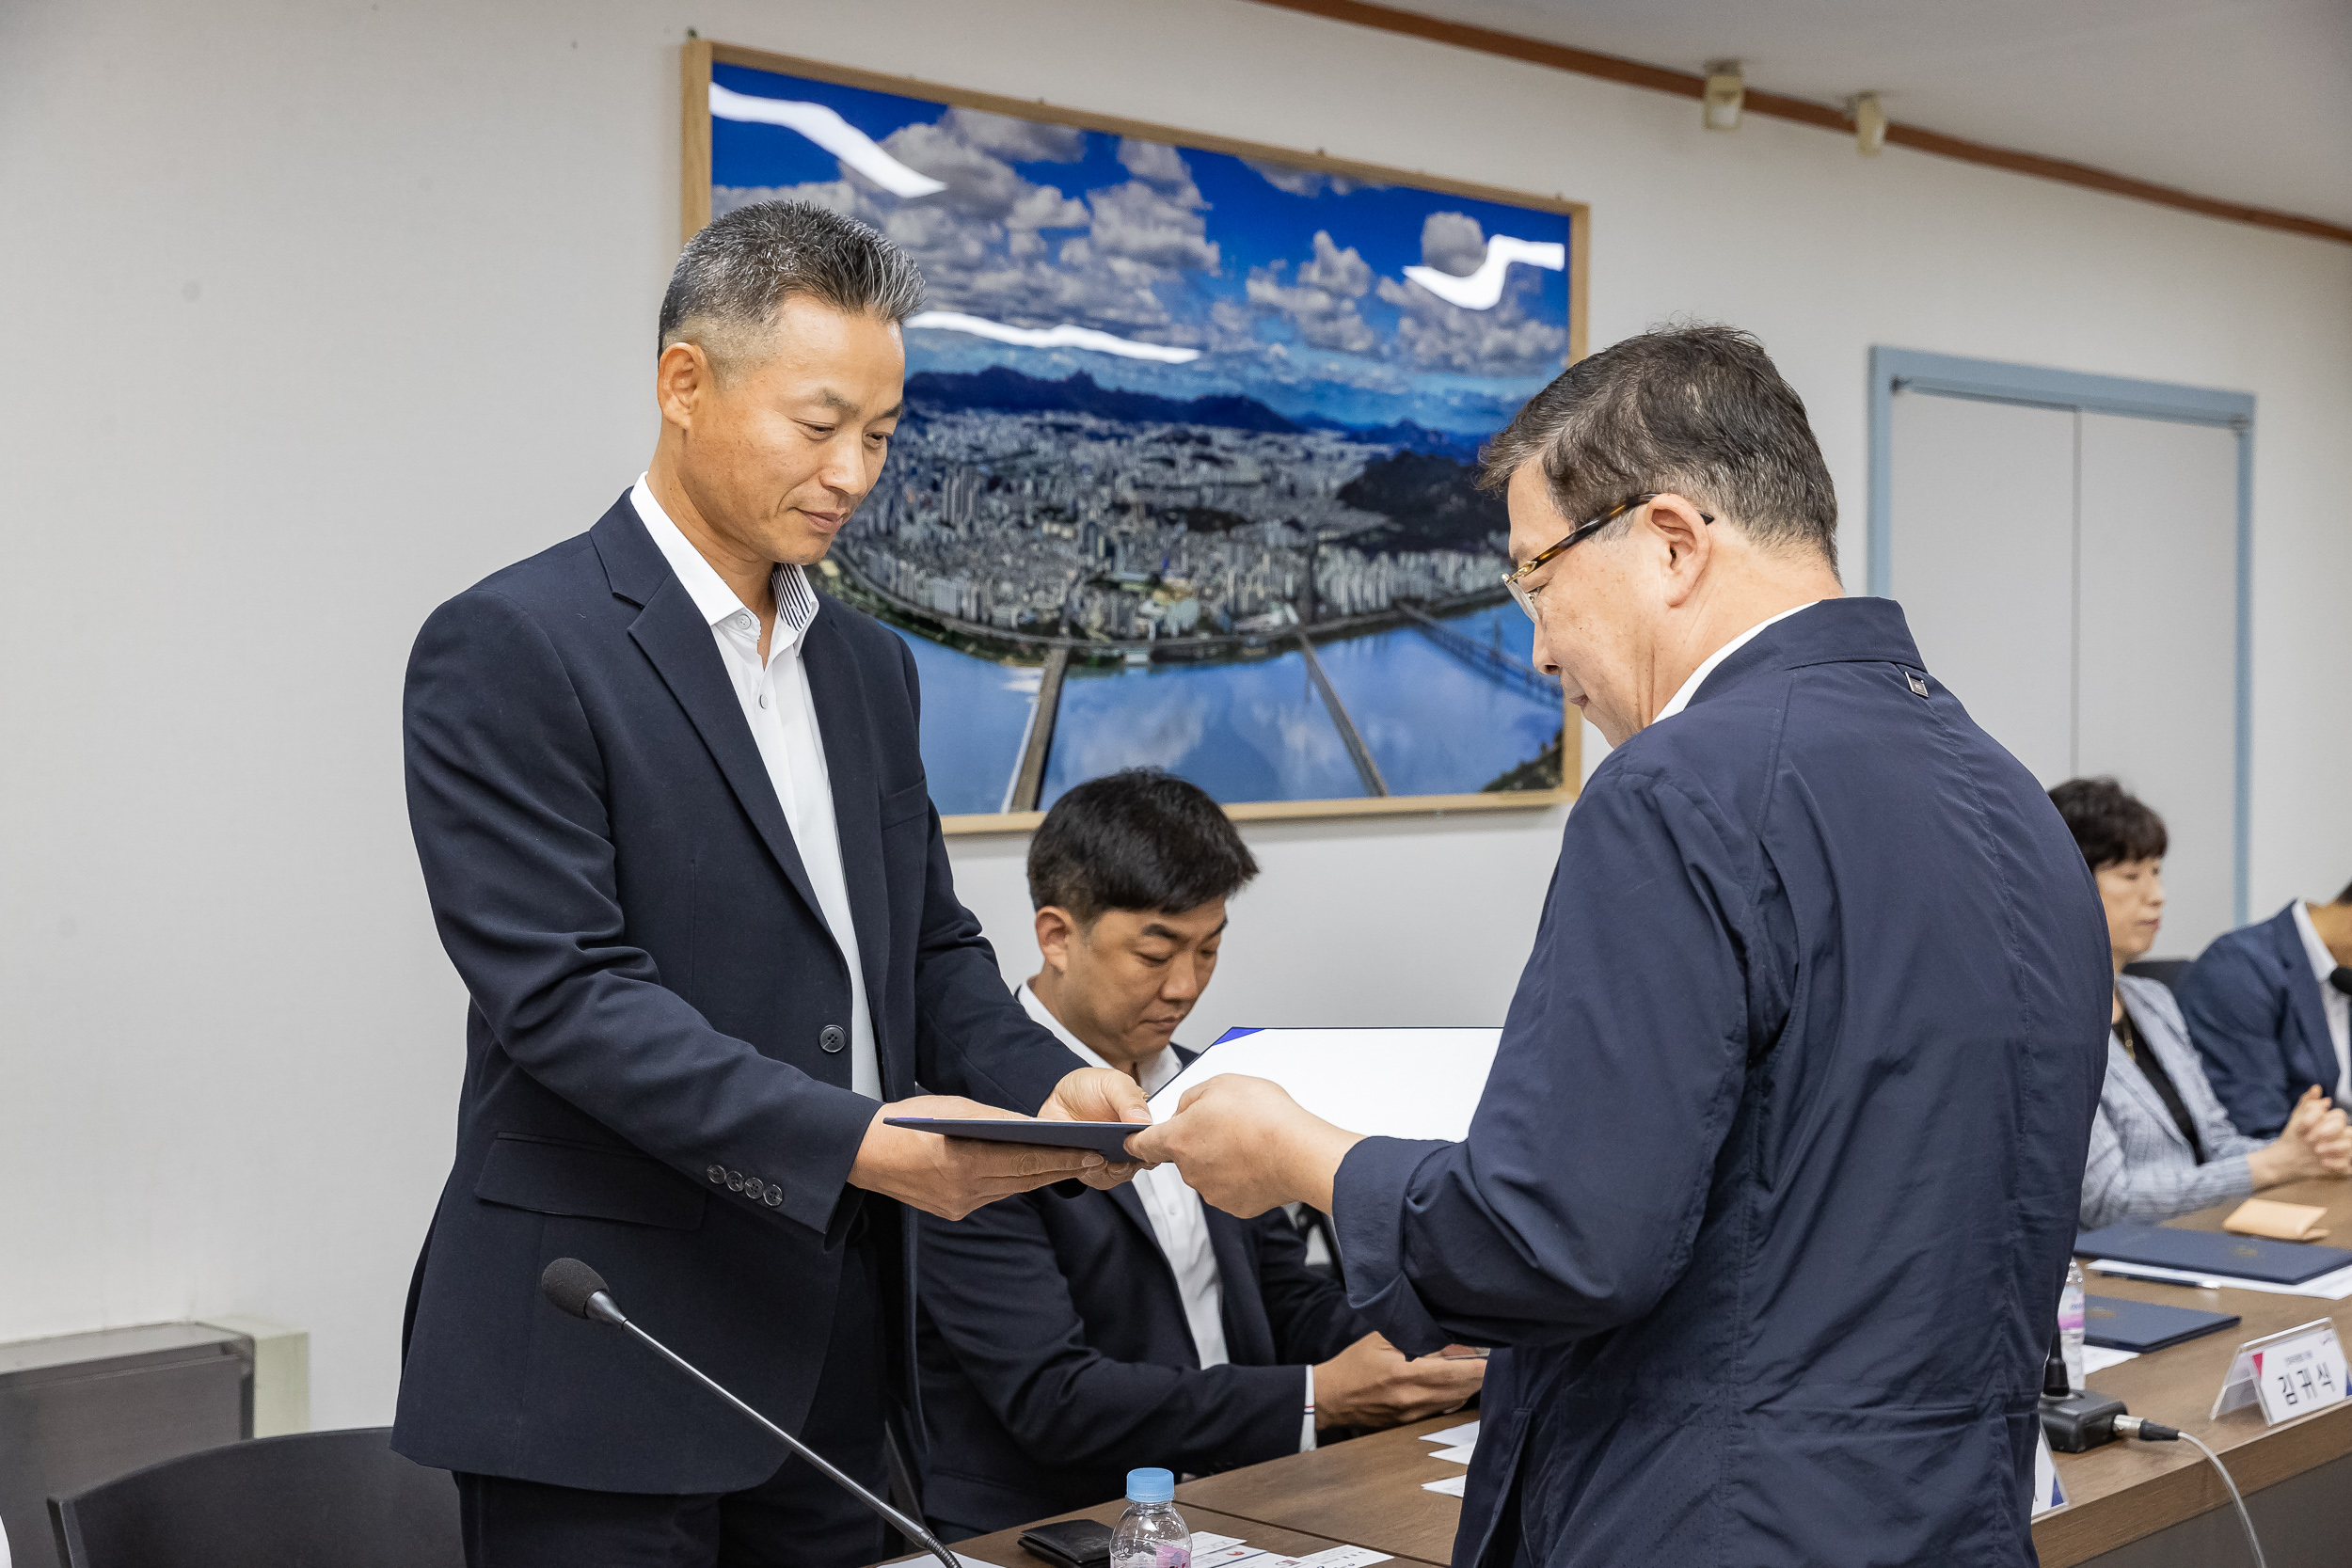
(1106, 1138)
(2212, 1252)
(2145, 1325)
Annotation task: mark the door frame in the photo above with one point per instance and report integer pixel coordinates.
(1893, 370)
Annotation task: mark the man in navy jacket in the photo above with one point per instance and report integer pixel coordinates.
(1773, 1186)
(1065, 1342)
(673, 822)
(2268, 1005)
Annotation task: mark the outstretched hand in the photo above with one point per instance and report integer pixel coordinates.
(1098, 1094)
(1246, 1145)
(952, 1176)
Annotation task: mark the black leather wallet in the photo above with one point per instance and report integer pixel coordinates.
(1070, 1543)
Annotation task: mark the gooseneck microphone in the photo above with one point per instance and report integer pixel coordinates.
(580, 1291)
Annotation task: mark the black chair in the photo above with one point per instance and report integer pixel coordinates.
(314, 1499)
(2165, 971)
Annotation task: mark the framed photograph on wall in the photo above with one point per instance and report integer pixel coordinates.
(1187, 476)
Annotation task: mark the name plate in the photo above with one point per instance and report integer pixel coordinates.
(2048, 1491)
(2290, 1373)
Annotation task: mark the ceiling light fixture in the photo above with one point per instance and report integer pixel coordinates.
(1869, 124)
(1727, 90)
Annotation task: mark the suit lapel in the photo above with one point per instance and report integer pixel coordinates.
(671, 631)
(2133, 1079)
(842, 719)
(2315, 1061)
(1248, 1336)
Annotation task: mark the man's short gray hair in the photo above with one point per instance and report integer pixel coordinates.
(1697, 411)
(735, 274)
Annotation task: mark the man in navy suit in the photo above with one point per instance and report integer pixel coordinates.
(2269, 1007)
(1771, 1189)
(674, 826)
(1067, 1342)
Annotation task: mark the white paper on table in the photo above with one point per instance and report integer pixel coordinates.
(1465, 1432)
(927, 1557)
(1382, 1083)
(1458, 1454)
(2327, 1287)
(2098, 1358)
(1452, 1486)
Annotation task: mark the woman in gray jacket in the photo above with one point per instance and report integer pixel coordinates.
(2161, 1144)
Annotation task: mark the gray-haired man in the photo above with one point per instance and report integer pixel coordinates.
(673, 820)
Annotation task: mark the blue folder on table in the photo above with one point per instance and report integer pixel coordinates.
(2145, 1325)
(2212, 1252)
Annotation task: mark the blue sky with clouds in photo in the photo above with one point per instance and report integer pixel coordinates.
(1290, 284)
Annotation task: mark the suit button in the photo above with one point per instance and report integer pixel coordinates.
(775, 1196)
(753, 1187)
(735, 1181)
(831, 1037)
(717, 1175)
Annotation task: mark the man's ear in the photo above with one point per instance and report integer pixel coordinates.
(1690, 542)
(680, 378)
(1055, 928)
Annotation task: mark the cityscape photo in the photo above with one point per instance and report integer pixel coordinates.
(1186, 474)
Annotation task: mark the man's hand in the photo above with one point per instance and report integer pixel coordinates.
(2316, 1142)
(1098, 1094)
(952, 1176)
(1246, 1145)
(1370, 1384)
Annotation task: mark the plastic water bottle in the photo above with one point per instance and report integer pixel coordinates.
(2071, 1323)
(1150, 1534)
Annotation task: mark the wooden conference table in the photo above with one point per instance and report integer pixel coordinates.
(2134, 1505)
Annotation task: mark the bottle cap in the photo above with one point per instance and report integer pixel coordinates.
(1151, 1486)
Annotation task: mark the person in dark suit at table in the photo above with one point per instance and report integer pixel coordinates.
(2162, 1146)
(1065, 1343)
(2270, 1008)
(1769, 1198)
(674, 831)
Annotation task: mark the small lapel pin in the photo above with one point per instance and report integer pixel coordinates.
(1919, 687)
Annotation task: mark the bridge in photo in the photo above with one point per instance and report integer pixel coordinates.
(1490, 661)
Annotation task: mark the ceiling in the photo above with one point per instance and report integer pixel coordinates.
(2246, 100)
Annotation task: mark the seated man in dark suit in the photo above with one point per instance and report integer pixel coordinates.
(2270, 1008)
(1067, 1340)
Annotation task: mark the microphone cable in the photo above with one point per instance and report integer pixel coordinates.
(2149, 1432)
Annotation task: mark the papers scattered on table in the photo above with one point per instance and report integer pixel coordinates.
(2098, 1358)
(927, 1557)
(1464, 1433)
(1459, 1454)
(1452, 1486)
(2327, 1287)
(1226, 1551)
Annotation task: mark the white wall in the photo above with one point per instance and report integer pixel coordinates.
(317, 312)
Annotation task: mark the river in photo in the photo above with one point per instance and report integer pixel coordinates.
(1248, 730)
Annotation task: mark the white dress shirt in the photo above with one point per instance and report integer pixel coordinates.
(782, 715)
(1690, 689)
(1178, 1221)
(2337, 1005)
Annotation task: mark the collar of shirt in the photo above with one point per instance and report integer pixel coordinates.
(796, 601)
(2323, 961)
(1690, 689)
(1152, 1072)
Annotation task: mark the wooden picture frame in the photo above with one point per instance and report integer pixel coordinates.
(699, 57)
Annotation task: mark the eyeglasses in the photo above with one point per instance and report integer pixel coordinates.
(1517, 580)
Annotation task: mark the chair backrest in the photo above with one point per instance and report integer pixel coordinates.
(2165, 971)
(314, 1500)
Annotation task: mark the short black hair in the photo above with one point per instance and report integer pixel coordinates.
(734, 274)
(1138, 839)
(2109, 824)
(2346, 897)
(1699, 411)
